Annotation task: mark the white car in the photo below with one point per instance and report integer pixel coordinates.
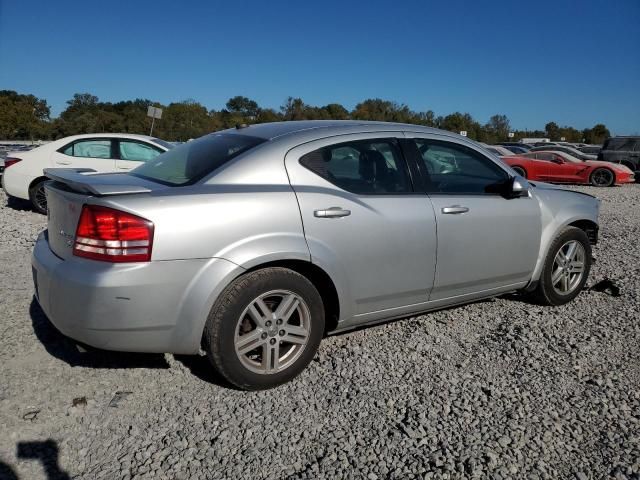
(103, 152)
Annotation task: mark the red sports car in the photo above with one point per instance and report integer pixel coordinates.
(560, 167)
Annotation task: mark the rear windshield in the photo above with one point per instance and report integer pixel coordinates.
(191, 161)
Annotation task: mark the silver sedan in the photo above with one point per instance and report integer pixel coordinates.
(255, 242)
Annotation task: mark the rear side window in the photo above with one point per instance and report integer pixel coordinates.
(192, 161)
(137, 151)
(453, 168)
(89, 149)
(367, 167)
(622, 144)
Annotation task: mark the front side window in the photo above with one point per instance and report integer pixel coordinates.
(192, 161)
(548, 157)
(89, 149)
(136, 151)
(454, 168)
(367, 167)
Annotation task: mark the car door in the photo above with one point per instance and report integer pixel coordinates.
(487, 242)
(563, 170)
(132, 153)
(364, 223)
(95, 153)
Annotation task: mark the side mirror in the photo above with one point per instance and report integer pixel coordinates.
(519, 187)
(558, 161)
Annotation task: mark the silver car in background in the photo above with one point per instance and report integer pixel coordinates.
(253, 243)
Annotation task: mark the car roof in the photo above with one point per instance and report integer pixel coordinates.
(270, 131)
(109, 135)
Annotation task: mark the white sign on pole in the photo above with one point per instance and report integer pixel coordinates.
(463, 133)
(154, 112)
(562, 139)
(511, 134)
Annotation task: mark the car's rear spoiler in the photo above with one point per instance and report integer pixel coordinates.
(97, 184)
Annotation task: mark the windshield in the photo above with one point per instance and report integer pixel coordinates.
(569, 158)
(187, 163)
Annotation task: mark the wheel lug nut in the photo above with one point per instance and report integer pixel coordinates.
(263, 336)
(268, 324)
(279, 321)
(272, 341)
(282, 332)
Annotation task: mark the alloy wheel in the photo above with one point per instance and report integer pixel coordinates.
(602, 177)
(40, 198)
(568, 267)
(272, 332)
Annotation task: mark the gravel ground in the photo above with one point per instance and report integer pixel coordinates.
(497, 389)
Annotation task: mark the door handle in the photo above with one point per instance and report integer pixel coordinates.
(454, 210)
(333, 212)
(63, 163)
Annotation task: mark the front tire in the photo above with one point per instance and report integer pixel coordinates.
(38, 197)
(566, 268)
(265, 328)
(602, 177)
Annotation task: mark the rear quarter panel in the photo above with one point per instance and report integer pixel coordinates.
(246, 213)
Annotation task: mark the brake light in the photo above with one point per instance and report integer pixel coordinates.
(110, 235)
(11, 161)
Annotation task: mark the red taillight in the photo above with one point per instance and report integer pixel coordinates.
(113, 236)
(11, 161)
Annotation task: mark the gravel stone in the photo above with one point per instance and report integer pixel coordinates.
(497, 389)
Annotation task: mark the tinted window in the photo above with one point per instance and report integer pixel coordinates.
(545, 156)
(89, 149)
(453, 168)
(621, 144)
(191, 161)
(136, 151)
(366, 167)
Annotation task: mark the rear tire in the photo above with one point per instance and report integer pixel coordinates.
(38, 197)
(520, 171)
(264, 329)
(562, 279)
(602, 177)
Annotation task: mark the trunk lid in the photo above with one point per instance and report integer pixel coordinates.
(71, 189)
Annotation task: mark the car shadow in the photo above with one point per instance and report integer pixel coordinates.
(67, 350)
(201, 368)
(19, 204)
(47, 453)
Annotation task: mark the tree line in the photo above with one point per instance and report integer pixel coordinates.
(27, 117)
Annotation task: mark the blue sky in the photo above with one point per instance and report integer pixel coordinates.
(574, 62)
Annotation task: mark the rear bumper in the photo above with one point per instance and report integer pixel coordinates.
(158, 307)
(16, 184)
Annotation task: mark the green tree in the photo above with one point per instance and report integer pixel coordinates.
(552, 131)
(596, 135)
(23, 117)
(497, 129)
(243, 106)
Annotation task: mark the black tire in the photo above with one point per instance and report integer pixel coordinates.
(545, 293)
(520, 171)
(38, 198)
(220, 330)
(602, 177)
